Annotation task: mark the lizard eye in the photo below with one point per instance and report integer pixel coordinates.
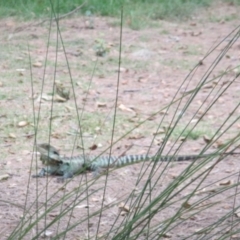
(56, 152)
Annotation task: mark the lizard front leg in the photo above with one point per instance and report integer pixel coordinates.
(66, 175)
(51, 170)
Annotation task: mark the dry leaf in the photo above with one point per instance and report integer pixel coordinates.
(237, 213)
(207, 86)
(124, 82)
(225, 183)
(194, 120)
(79, 147)
(193, 24)
(4, 177)
(219, 143)
(142, 79)
(151, 118)
(122, 213)
(37, 64)
(167, 235)
(22, 124)
(173, 176)
(12, 135)
(136, 136)
(200, 231)
(93, 147)
(58, 98)
(182, 139)
(186, 205)
(123, 207)
(62, 91)
(56, 135)
(122, 70)
(84, 206)
(198, 192)
(96, 199)
(235, 236)
(46, 97)
(68, 108)
(99, 145)
(101, 104)
(21, 71)
(158, 141)
(53, 214)
(207, 139)
(163, 112)
(194, 34)
(160, 131)
(124, 108)
(47, 233)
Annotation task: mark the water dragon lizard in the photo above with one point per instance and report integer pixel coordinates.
(55, 164)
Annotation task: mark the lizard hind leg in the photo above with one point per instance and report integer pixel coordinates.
(68, 175)
(98, 172)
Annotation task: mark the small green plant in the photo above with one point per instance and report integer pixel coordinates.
(193, 134)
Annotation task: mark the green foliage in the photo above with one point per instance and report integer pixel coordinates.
(152, 8)
(138, 14)
(193, 134)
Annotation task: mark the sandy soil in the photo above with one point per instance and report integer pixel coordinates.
(155, 62)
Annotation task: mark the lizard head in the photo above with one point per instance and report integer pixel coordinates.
(48, 152)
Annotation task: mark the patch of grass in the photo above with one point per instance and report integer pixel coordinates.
(189, 49)
(3, 96)
(228, 18)
(164, 32)
(178, 64)
(136, 65)
(137, 13)
(194, 134)
(178, 9)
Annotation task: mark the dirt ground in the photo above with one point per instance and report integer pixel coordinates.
(154, 63)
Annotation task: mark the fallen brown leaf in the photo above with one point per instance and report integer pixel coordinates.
(225, 183)
(123, 207)
(207, 139)
(124, 108)
(58, 98)
(186, 205)
(101, 104)
(93, 147)
(237, 213)
(136, 136)
(37, 64)
(22, 124)
(4, 177)
(62, 91)
(12, 135)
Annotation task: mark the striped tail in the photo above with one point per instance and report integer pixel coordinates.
(112, 161)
